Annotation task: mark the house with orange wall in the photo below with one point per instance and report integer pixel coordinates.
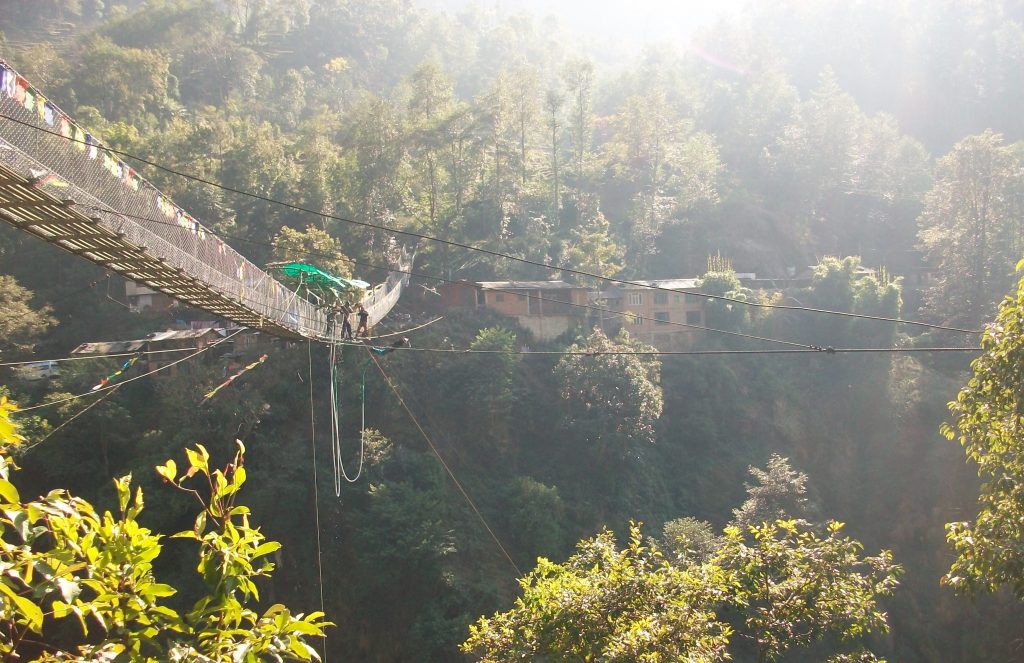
(652, 314)
(547, 309)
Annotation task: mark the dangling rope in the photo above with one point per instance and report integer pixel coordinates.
(339, 464)
(316, 491)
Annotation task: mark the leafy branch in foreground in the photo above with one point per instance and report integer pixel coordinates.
(59, 558)
(988, 415)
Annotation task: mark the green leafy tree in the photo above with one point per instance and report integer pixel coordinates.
(970, 228)
(793, 586)
(780, 492)
(313, 246)
(375, 133)
(592, 249)
(721, 281)
(484, 385)
(63, 561)
(554, 100)
(690, 539)
(125, 83)
(578, 76)
(21, 324)
(257, 158)
(668, 169)
(430, 105)
(785, 584)
(611, 400)
(605, 604)
(987, 411)
(844, 285)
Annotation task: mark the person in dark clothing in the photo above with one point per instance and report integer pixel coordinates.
(364, 321)
(345, 310)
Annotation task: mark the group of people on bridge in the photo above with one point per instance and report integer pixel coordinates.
(342, 310)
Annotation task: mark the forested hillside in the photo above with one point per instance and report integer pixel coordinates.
(856, 157)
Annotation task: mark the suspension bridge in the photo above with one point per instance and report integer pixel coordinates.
(58, 182)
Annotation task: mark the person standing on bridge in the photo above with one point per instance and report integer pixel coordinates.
(364, 321)
(345, 310)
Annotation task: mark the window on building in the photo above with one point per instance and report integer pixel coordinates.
(636, 298)
(535, 302)
(481, 298)
(661, 317)
(692, 299)
(635, 319)
(661, 298)
(499, 296)
(693, 317)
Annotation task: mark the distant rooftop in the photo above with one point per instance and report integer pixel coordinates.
(671, 284)
(108, 347)
(180, 334)
(524, 285)
(114, 347)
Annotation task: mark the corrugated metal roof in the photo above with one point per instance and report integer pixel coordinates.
(525, 285)
(671, 284)
(113, 347)
(108, 347)
(180, 334)
(617, 289)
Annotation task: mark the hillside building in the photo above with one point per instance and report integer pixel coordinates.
(547, 309)
(650, 312)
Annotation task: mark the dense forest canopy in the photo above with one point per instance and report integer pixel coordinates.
(860, 157)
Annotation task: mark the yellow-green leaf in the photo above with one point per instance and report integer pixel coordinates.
(9, 492)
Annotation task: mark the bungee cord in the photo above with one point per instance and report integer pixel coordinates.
(340, 473)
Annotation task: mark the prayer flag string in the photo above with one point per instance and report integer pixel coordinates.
(231, 379)
(113, 376)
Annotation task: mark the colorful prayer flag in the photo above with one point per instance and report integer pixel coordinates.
(210, 394)
(52, 180)
(20, 88)
(79, 136)
(124, 367)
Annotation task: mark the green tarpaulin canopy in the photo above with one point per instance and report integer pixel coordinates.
(315, 279)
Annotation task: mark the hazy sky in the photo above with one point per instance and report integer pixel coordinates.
(630, 21)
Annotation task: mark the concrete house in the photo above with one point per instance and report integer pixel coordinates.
(547, 309)
(650, 312)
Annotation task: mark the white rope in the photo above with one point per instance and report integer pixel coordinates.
(81, 357)
(316, 491)
(339, 464)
